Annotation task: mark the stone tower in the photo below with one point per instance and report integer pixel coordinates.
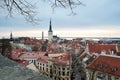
(42, 35)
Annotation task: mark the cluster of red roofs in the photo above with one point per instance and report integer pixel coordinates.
(109, 62)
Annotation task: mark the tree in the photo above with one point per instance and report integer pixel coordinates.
(23, 7)
(5, 47)
(78, 71)
(35, 48)
(27, 9)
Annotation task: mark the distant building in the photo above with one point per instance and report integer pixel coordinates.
(50, 32)
(55, 38)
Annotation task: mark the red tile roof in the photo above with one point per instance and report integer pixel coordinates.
(43, 57)
(106, 64)
(16, 52)
(22, 62)
(62, 60)
(91, 59)
(29, 55)
(97, 48)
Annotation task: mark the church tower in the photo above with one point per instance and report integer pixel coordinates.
(50, 32)
(11, 36)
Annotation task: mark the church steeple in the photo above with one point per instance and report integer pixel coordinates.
(50, 27)
(11, 37)
(50, 32)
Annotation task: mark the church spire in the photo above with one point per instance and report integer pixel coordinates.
(50, 32)
(11, 36)
(50, 27)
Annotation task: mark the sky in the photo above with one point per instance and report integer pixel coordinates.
(98, 18)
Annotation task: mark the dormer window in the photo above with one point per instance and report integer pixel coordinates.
(101, 65)
(103, 52)
(114, 69)
(94, 56)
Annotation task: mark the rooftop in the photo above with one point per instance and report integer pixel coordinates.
(106, 64)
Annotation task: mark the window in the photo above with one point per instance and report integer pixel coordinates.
(63, 73)
(55, 78)
(55, 71)
(59, 79)
(114, 69)
(40, 67)
(116, 78)
(67, 73)
(51, 67)
(101, 76)
(67, 78)
(63, 69)
(59, 72)
(59, 68)
(38, 63)
(67, 68)
(47, 69)
(109, 77)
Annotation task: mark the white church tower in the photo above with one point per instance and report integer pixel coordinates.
(50, 32)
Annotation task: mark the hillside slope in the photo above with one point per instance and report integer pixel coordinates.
(10, 70)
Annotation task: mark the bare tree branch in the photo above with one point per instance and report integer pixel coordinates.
(21, 6)
(27, 9)
(66, 4)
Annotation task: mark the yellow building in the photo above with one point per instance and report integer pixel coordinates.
(55, 66)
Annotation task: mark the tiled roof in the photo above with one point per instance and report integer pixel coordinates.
(91, 59)
(97, 48)
(106, 64)
(16, 52)
(43, 57)
(22, 62)
(29, 55)
(63, 60)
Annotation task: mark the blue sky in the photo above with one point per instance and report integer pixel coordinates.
(99, 18)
